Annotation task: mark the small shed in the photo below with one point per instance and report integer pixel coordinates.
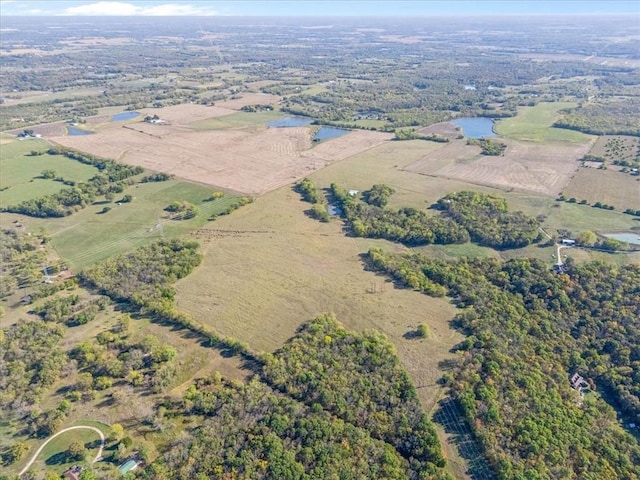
(128, 466)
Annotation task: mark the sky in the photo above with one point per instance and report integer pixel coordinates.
(316, 8)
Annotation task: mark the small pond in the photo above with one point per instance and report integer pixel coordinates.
(475, 127)
(325, 133)
(119, 117)
(291, 122)
(631, 238)
(78, 131)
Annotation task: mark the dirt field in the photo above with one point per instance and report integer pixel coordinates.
(251, 161)
(446, 129)
(187, 113)
(607, 186)
(616, 147)
(528, 167)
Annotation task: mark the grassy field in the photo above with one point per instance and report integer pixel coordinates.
(609, 186)
(534, 124)
(53, 458)
(89, 236)
(236, 120)
(18, 171)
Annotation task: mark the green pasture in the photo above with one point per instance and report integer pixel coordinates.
(534, 124)
(88, 236)
(18, 171)
(53, 457)
(236, 120)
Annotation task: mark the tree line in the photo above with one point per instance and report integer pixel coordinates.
(481, 218)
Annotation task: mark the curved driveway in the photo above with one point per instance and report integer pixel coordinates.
(35, 455)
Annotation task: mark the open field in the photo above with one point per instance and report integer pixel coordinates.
(87, 236)
(533, 124)
(53, 456)
(525, 166)
(268, 268)
(18, 171)
(252, 160)
(606, 186)
(235, 120)
(616, 147)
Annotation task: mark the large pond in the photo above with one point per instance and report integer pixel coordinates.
(291, 122)
(632, 238)
(475, 127)
(325, 133)
(78, 131)
(119, 117)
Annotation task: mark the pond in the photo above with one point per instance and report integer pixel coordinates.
(78, 131)
(325, 133)
(475, 127)
(631, 238)
(119, 117)
(291, 122)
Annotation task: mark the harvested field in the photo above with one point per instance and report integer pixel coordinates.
(186, 113)
(46, 129)
(609, 187)
(350, 144)
(528, 167)
(251, 161)
(446, 129)
(244, 99)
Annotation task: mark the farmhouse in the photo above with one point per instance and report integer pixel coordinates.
(578, 383)
(73, 473)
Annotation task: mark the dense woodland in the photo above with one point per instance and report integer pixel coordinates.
(355, 415)
(613, 117)
(529, 330)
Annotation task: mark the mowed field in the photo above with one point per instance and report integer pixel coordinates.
(534, 124)
(251, 160)
(19, 171)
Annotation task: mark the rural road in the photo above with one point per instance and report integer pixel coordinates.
(35, 455)
(558, 248)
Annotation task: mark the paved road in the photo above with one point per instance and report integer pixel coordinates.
(35, 455)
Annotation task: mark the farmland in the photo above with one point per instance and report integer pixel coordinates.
(251, 160)
(21, 172)
(534, 124)
(609, 187)
(175, 297)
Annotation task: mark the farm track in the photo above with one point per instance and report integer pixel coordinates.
(86, 427)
